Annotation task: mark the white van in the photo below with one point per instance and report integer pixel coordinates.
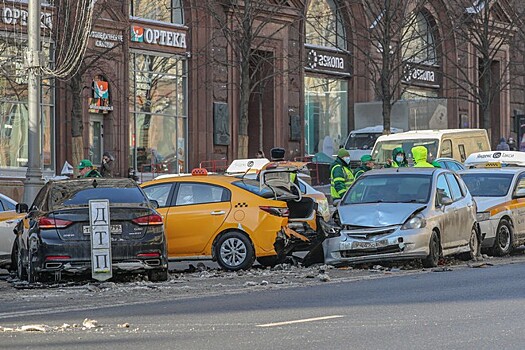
(361, 141)
(449, 143)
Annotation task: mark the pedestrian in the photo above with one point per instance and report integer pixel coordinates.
(419, 154)
(399, 159)
(341, 176)
(512, 144)
(367, 164)
(87, 170)
(260, 154)
(502, 145)
(106, 169)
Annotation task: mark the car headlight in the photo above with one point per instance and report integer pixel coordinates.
(415, 222)
(483, 216)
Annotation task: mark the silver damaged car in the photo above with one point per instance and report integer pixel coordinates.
(404, 214)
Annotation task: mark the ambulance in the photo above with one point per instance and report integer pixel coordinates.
(496, 180)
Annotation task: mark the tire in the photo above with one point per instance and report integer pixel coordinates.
(434, 251)
(21, 271)
(158, 275)
(234, 252)
(474, 246)
(503, 242)
(32, 275)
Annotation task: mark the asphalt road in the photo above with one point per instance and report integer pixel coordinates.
(460, 309)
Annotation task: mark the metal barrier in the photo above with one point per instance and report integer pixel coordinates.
(214, 165)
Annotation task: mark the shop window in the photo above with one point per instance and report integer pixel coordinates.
(324, 25)
(170, 11)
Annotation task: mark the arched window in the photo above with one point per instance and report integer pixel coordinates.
(418, 40)
(324, 25)
(170, 11)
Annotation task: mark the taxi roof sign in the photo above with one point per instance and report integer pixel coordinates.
(495, 159)
(240, 166)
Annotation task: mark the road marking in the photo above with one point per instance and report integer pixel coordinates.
(299, 321)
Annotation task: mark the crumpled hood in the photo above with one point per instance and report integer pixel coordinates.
(485, 203)
(377, 214)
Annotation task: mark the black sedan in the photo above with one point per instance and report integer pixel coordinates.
(69, 222)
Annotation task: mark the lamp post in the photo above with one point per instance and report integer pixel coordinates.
(33, 181)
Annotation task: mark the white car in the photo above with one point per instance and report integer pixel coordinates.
(500, 196)
(8, 220)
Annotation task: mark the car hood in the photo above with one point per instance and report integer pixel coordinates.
(487, 202)
(377, 214)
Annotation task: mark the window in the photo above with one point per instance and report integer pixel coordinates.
(462, 152)
(170, 11)
(487, 185)
(324, 25)
(455, 189)
(197, 193)
(446, 149)
(442, 189)
(160, 193)
(418, 40)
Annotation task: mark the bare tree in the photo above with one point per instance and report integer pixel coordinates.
(388, 40)
(484, 31)
(249, 28)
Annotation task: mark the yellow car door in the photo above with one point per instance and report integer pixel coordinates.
(198, 212)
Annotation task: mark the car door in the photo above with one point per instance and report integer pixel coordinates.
(448, 213)
(196, 214)
(463, 207)
(519, 209)
(8, 220)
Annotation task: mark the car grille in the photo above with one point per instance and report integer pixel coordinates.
(365, 232)
(363, 252)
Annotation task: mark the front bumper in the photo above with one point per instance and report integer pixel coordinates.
(377, 244)
(488, 232)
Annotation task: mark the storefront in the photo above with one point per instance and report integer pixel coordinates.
(327, 77)
(158, 124)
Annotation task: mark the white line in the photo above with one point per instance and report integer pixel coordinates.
(299, 321)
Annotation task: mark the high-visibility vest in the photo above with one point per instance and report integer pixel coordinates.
(348, 180)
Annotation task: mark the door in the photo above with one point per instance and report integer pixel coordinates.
(196, 215)
(448, 216)
(96, 138)
(519, 208)
(463, 206)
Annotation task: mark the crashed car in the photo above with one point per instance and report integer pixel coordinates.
(54, 238)
(404, 214)
(229, 219)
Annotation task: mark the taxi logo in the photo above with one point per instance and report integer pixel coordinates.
(137, 34)
(250, 163)
(496, 155)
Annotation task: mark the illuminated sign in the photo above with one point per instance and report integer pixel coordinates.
(160, 37)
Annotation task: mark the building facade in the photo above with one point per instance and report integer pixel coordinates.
(160, 85)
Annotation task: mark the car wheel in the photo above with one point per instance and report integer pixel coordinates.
(158, 275)
(434, 251)
(234, 251)
(503, 243)
(474, 246)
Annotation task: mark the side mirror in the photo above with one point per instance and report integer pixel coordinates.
(22, 208)
(520, 193)
(446, 201)
(154, 203)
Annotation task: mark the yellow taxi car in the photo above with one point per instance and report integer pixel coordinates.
(496, 180)
(228, 219)
(8, 220)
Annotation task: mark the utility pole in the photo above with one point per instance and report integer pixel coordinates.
(33, 181)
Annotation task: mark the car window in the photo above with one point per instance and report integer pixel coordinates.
(446, 149)
(3, 205)
(160, 193)
(454, 166)
(487, 184)
(462, 153)
(402, 188)
(442, 189)
(520, 186)
(198, 193)
(8, 205)
(254, 187)
(455, 189)
(129, 195)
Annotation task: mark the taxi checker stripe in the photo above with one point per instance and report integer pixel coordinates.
(241, 205)
(508, 205)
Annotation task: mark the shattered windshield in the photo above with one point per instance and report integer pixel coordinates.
(488, 185)
(389, 188)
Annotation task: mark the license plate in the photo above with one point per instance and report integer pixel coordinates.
(115, 229)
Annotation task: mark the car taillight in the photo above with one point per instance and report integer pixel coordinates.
(58, 257)
(53, 223)
(148, 255)
(277, 211)
(153, 219)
